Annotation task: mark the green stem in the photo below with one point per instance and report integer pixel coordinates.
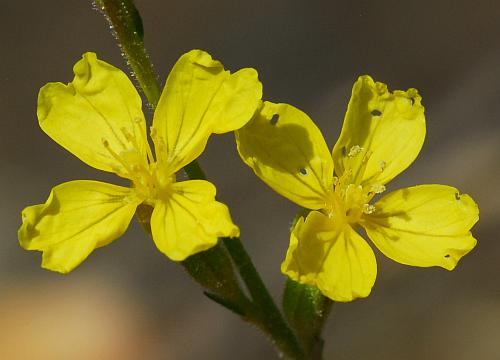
(126, 22)
(268, 318)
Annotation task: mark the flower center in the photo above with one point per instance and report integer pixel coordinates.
(348, 200)
(152, 179)
(153, 182)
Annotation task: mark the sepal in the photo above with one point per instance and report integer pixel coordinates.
(212, 269)
(306, 310)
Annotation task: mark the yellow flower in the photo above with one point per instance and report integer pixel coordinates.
(98, 117)
(383, 132)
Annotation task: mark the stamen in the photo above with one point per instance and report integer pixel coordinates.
(130, 138)
(355, 150)
(377, 188)
(343, 182)
(382, 165)
(159, 145)
(149, 153)
(142, 131)
(117, 157)
(368, 209)
(362, 168)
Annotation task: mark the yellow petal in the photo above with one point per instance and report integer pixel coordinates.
(191, 220)
(78, 217)
(426, 225)
(332, 257)
(388, 127)
(100, 106)
(288, 152)
(201, 98)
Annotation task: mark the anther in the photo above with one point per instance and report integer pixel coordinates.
(347, 175)
(377, 188)
(368, 209)
(382, 165)
(160, 147)
(117, 157)
(355, 150)
(126, 133)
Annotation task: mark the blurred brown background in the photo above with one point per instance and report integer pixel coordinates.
(127, 301)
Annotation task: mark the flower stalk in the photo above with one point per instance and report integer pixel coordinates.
(267, 315)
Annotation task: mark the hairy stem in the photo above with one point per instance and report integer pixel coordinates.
(126, 25)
